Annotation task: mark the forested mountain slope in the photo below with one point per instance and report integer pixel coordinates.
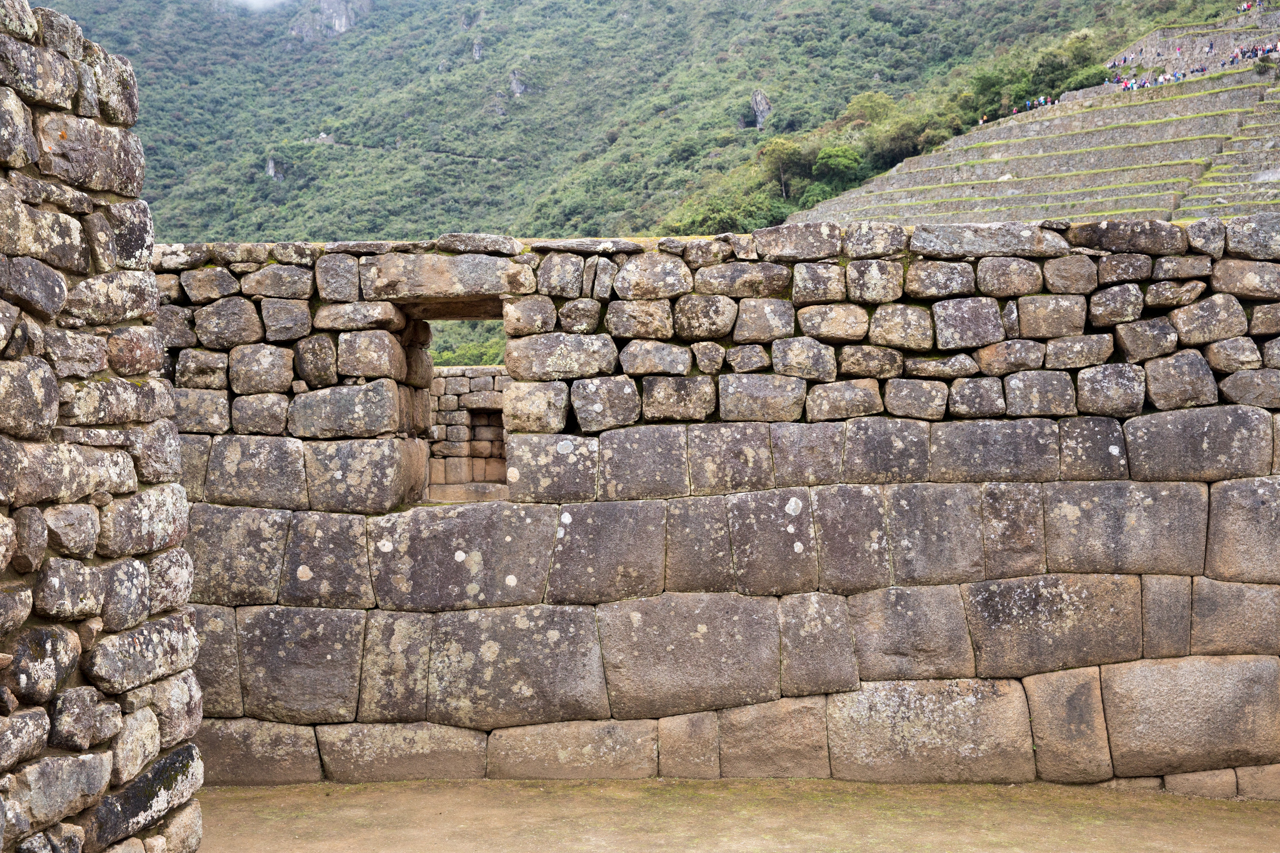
(547, 117)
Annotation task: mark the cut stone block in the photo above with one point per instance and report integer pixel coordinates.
(255, 752)
(393, 674)
(725, 458)
(644, 462)
(552, 468)
(851, 524)
(774, 552)
(689, 746)
(610, 749)
(1166, 616)
(886, 450)
(911, 632)
(1093, 448)
(1221, 443)
(817, 645)
(1234, 618)
(782, 739)
(1244, 531)
(1068, 725)
(698, 553)
(807, 454)
(1013, 529)
(936, 533)
(982, 451)
(605, 552)
(360, 752)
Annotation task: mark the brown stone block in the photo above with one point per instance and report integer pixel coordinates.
(689, 746)
(254, 752)
(1068, 725)
(552, 468)
(644, 462)
(936, 532)
(698, 553)
(885, 450)
(360, 752)
(774, 551)
(610, 749)
(1244, 531)
(1012, 529)
(1215, 784)
(605, 552)
(817, 645)
(1234, 618)
(851, 524)
(726, 458)
(1166, 616)
(911, 632)
(779, 740)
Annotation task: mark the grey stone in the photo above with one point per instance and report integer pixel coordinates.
(764, 320)
(1181, 380)
(360, 411)
(836, 324)
(604, 552)
(1146, 339)
(967, 323)
(1216, 318)
(652, 275)
(1220, 443)
(660, 662)
(552, 468)
(126, 598)
(916, 398)
(705, 253)
(369, 476)
(698, 556)
(976, 398)
(326, 562)
(650, 319)
(539, 358)
(81, 717)
(488, 244)
(227, 323)
(35, 288)
(1069, 727)
(552, 651)
(704, 318)
(1009, 277)
(805, 358)
(816, 283)
(936, 532)
(741, 280)
(315, 359)
(137, 744)
(1233, 355)
(1039, 393)
(1166, 616)
(1000, 359)
(371, 354)
(1256, 236)
(169, 782)
(338, 278)
(842, 400)
(178, 705)
(874, 282)
(772, 536)
(644, 462)
(998, 238)
(1013, 529)
(73, 529)
(29, 393)
(1246, 279)
(289, 319)
(1117, 390)
(911, 632)
(161, 647)
(1051, 315)
(257, 471)
(73, 354)
(1173, 294)
(560, 274)
(67, 590)
(43, 659)
(817, 645)
(237, 553)
(194, 451)
(689, 746)
(1243, 545)
(599, 404)
(528, 315)
(575, 750)
(218, 666)
(208, 284)
(1191, 266)
(46, 791)
(938, 279)
(380, 753)
(234, 750)
(171, 575)
(952, 367)
(745, 359)
(931, 731)
(851, 526)
(886, 450)
(399, 277)
(873, 239)
(1233, 618)
(761, 398)
(1124, 267)
(1072, 274)
(799, 241)
(148, 521)
(1189, 714)
(260, 414)
(907, 327)
(684, 398)
(22, 736)
(1078, 351)
(1021, 626)
(1208, 236)
(282, 281)
(875, 362)
(981, 451)
(544, 406)
(1146, 236)
(639, 358)
(300, 665)
(807, 454)
(580, 316)
(65, 473)
(394, 672)
(1128, 528)
(1115, 305)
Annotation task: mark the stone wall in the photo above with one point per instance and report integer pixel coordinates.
(984, 503)
(468, 441)
(97, 698)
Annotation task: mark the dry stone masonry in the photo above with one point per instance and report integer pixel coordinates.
(951, 503)
(98, 700)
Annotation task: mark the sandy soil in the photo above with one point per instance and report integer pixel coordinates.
(814, 816)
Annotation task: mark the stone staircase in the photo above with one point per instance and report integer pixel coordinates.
(1206, 145)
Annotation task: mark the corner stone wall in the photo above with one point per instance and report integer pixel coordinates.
(955, 503)
(98, 702)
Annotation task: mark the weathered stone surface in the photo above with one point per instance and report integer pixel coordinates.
(1051, 315)
(326, 562)
(552, 468)
(982, 451)
(126, 599)
(1009, 277)
(362, 475)
(952, 367)
(1189, 714)
(1173, 294)
(227, 323)
(937, 533)
(689, 746)
(43, 659)
(81, 717)
(782, 739)
(1233, 354)
(1115, 305)
(1216, 784)
(639, 358)
(1078, 351)
(1072, 274)
(644, 462)
(300, 665)
(1233, 618)
(1117, 390)
(22, 736)
(805, 358)
(660, 662)
(169, 782)
(161, 647)
(551, 651)
(487, 244)
(816, 283)
(260, 368)
(842, 400)
(1166, 616)
(851, 524)
(907, 327)
(282, 281)
(1068, 726)
(1012, 529)
(73, 354)
(1144, 236)
(999, 238)
(539, 358)
(290, 319)
(260, 414)
(257, 471)
(967, 323)
(1146, 339)
(1039, 393)
(201, 369)
(807, 454)
(208, 284)
(194, 451)
(235, 749)
(393, 675)
(67, 590)
(873, 239)
(1021, 626)
(360, 411)
(1247, 279)
(43, 793)
(371, 354)
(541, 406)
(1244, 536)
(834, 324)
(178, 706)
(704, 318)
(73, 529)
(52, 237)
(529, 315)
(817, 645)
(316, 361)
(1216, 318)
(1127, 528)
(874, 282)
(937, 279)
(764, 320)
(678, 398)
(799, 241)
(380, 753)
(580, 316)
(697, 548)
(1124, 267)
(741, 280)
(751, 397)
(652, 275)
(1221, 443)
(1256, 236)
(931, 731)
(68, 472)
(218, 666)
(1181, 380)
(575, 750)
(604, 552)
(135, 350)
(886, 450)
(402, 277)
(774, 551)
(136, 745)
(1208, 236)
(911, 632)
(1258, 783)
(116, 401)
(1000, 359)
(915, 398)
(651, 319)
(29, 392)
(149, 521)
(35, 288)
(237, 553)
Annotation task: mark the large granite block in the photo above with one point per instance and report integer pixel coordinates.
(1216, 443)
(606, 552)
(1234, 618)
(785, 739)
(1013, 529)
(725, 458)
(361, 752)
(774, 552)
(684, 652)
(886, 450)
(1166, 616)
(978, 451)
(936, 533)
(610, 749)
(1022, 626)
(1189, 714)
(326, 562)
(807, 454)
(817, 645)
(255, 752)
(363, 475)
(260, 471)
(1068, 725)
(393, 674)
(552, 652)
(966, 730)
(689, 746)
(644, 462)
(851, 526)
(218, 667)
(238, 553)
(552, 468)
(911, 632)
(1129, 528)
(1244, 531)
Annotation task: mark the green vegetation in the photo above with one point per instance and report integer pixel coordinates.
(467, 342)
(632, 116)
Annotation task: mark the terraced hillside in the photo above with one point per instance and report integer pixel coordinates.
(1209, 145)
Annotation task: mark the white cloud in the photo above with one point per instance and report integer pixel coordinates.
(259, 5)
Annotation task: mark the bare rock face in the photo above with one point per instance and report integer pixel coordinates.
(966, 730)
(552, 651)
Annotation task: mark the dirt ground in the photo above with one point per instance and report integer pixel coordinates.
(814, 816)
